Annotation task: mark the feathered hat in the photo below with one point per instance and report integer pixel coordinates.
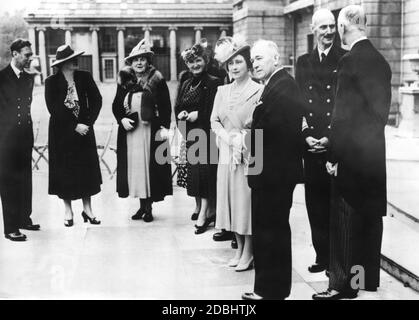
(141, 49)
(227, 48)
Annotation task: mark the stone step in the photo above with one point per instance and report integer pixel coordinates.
(399, 253)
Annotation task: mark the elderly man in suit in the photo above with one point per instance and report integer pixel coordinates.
(357, 161)
(278, 117)
(16, 141)
(316, 77)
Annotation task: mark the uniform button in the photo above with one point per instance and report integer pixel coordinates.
(18, 115)
(29, 122)
(328, 127)
(18, 123)
(328, 114)
(328, 87)
(18, 107)
(311, 127)
(328, 100)
(310, 101)
(310, 88)
(311, 114)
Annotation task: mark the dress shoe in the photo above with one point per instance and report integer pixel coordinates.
(251, 296)
(194, 216)
(87, 218)
(330, 294)
(139, 214)
(148, 217)
(204, 227)
(315, 268)
(69, 223)
(245, 266)
(15, 236)
(31, 227)
(223, 235)
(234, 244)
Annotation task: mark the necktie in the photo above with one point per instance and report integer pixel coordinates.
(323, 57)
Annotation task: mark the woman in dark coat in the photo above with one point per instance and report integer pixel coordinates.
(193, 108)
(156, 183)
(74, 102)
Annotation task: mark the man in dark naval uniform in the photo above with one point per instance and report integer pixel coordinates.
(316, 77)
(16, 142)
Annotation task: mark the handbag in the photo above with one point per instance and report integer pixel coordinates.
(181, 165)
(133, 116)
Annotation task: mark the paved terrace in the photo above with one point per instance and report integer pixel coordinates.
(125, 259)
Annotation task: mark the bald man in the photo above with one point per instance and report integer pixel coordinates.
(357, 161)
(316, 77)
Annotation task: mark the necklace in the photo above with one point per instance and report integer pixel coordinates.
(193, 88)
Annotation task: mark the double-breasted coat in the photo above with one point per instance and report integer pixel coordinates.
(16, 142)
(74, 170)
(160, 174)
(317, 82)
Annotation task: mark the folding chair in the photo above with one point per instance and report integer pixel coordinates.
(39, 148)
(104, 148)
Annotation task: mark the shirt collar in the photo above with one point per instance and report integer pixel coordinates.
(15, 70)
(266, 83)
(358, 40)
(326, 52)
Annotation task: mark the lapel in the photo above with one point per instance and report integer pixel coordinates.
(14, 81)
(61, 86)
(272, 83)
(79, 85)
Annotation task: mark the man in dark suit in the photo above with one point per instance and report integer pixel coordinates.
(316, 77)
(357, 161)
(278, 118)
(16, 142)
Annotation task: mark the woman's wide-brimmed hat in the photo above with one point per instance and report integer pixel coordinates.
(141, 49)
(65, 53)
(227, 48)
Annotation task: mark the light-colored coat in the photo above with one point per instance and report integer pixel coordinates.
(232, 113)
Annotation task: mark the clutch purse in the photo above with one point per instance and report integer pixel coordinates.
(133, 116)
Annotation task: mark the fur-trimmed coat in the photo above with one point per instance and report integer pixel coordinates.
(160, 175)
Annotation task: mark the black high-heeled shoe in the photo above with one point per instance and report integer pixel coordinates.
(68, 223)
(91, 220)
(204, 227)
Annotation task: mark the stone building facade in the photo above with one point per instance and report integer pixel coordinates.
(393, 28)
(107, 30)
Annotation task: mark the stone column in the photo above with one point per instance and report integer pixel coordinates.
(42, 52)
(95, 53)
(147, 30)
(121, 47)
(173, 60)
(198, 33)
(223, 32)
(32, 38)
(68, 35)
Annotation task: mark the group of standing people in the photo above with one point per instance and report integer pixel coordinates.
(324, 128)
